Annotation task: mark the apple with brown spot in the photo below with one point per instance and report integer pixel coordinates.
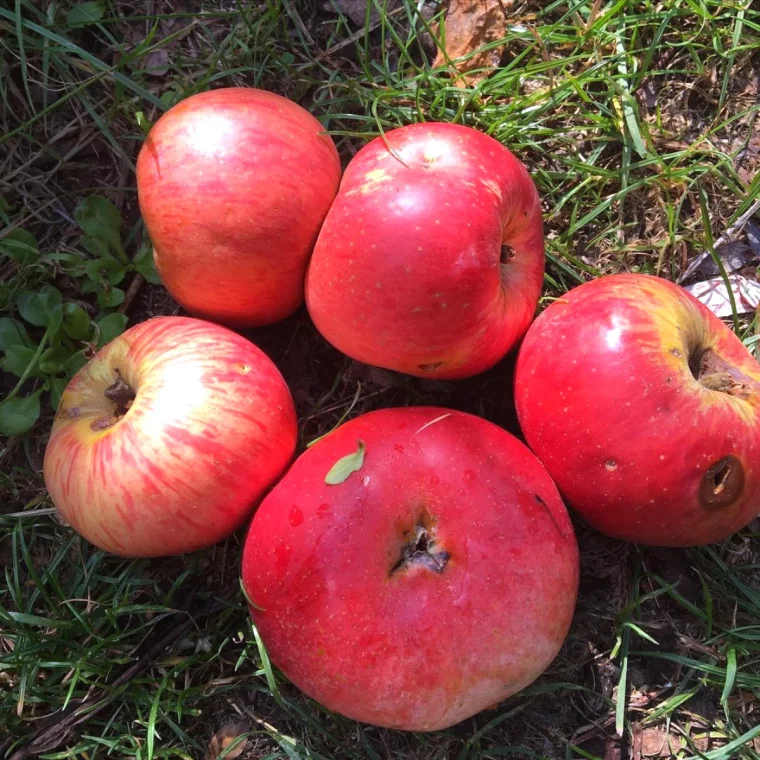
(431, 259)
(234, 185)
(165, 441)
(412, 568)
(645, 409)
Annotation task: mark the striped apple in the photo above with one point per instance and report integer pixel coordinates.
(431, 259)
(233, 186)
(165, 441)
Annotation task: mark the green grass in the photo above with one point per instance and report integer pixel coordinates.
(637, 121)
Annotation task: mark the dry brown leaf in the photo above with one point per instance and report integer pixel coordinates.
(468, 26)
(224, 737)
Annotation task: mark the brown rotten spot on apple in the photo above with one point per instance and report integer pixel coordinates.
(722, 484)
(716, 374)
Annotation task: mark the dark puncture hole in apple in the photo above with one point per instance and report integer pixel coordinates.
(507, 254)
(421, 548)
(722, 484)
(120, 393)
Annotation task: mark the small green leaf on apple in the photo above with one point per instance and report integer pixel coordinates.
(341, 470)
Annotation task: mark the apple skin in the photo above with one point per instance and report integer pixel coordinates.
(430, 643)
(233, 186)
(210, 429)
(641, 448)
(406, 272)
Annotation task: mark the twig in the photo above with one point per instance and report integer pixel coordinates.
(62, 727)
(734, 229)
(132, 291)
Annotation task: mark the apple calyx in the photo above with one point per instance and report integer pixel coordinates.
(422, 549)
(119, 393)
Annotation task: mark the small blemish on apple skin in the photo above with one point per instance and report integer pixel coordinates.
(610, 465)
(296, 517)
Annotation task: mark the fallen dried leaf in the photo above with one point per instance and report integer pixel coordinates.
(468, 26)
(158, 63)
(224, 738)
(714, 294)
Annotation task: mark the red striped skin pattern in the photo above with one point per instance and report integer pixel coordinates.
(212, 427)
(607, 401)
(233, 186)
(413, 649)
(406, 272)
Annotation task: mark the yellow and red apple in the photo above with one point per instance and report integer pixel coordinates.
(412, 568)
(165, 441)
(233, 186)
(431, 259)
(645, 409)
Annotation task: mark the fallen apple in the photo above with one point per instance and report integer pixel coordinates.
(412, 568)
(166, 439)
(645, 409)
(233, 186)
(431, 259)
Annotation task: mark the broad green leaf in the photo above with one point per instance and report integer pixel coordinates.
(99, 219)
(85, 13)
(75, 362)
(96, 246)
(340, 471)
(146, 266)
(17, 359)
(21, 246)
(76, 321)
(42, 309)
(108, 299)
(53, 360)
(105, 269)
(111, 326)
(18, 414)
(56, 385)
(12, 333)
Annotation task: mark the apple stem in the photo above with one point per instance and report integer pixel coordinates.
(121, 394)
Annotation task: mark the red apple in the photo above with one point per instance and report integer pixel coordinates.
(164, 442)
(431, 259)
(433, 578)
(233, 186)
(645, 409)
